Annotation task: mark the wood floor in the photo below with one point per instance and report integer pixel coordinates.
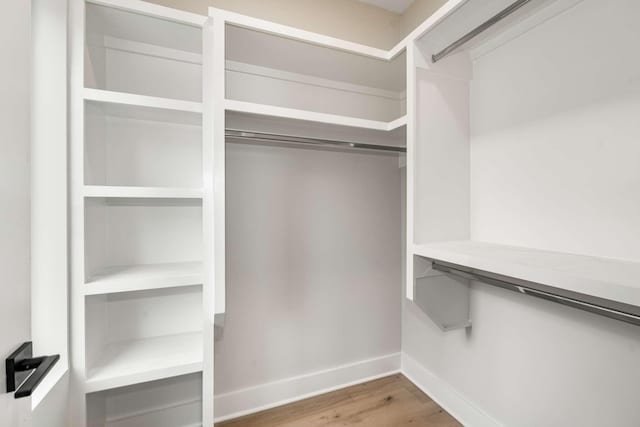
(389, 402)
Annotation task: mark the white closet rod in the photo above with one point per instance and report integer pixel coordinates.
(291, 139)
(479, 29)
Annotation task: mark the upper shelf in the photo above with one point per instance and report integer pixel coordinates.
(141, 48)
(143, 101)
(152, 10)
(609, 279)
(257, 46)
(334, 43)
(311, 116)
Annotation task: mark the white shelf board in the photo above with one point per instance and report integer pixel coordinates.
(133, 362)
(312, 116)
(122, 98)
(612, 279)
(153, 10)
(334, 43)
(270, 27)
(144, 277)
(126, 192)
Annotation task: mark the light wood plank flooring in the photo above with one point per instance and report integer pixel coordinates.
(388, 402)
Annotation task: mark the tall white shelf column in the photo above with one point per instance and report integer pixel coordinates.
(143, 213)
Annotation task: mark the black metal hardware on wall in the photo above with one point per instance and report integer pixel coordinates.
(25, 372)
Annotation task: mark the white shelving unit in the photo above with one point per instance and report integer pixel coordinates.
(323, 81)
(142, 300)
(153, 90)
(439, 212)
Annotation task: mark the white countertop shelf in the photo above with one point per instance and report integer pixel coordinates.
(133, 362)
(131, 278)
(611, 279)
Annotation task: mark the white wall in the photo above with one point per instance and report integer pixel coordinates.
(555, 164)
(14, 192)
(313, 262)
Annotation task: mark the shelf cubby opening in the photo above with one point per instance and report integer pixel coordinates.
(134, 235)
(133, 53)
(312, 78)
(164, 403)
(140, 146)
(135, 337)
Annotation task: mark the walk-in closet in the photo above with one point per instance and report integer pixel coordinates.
(376, 213)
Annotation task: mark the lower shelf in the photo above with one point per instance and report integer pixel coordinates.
(139, 361)
(170, 402)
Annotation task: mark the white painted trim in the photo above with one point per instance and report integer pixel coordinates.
(269, 27)
(213, 175)
(311, 116)
(266, 396)
(154, 10)
(76, 35)
(411, 106)
(462, 409)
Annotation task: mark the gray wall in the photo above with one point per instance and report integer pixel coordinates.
(313, 262)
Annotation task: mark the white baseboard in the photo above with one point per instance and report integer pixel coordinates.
(250, 400)
(463, 410)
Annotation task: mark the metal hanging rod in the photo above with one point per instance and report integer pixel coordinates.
(291, 139)
(479, 29)
(607, 308)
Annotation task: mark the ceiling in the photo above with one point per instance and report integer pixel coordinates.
(397, 6)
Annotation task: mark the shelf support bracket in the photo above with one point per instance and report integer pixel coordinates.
(444, 299)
